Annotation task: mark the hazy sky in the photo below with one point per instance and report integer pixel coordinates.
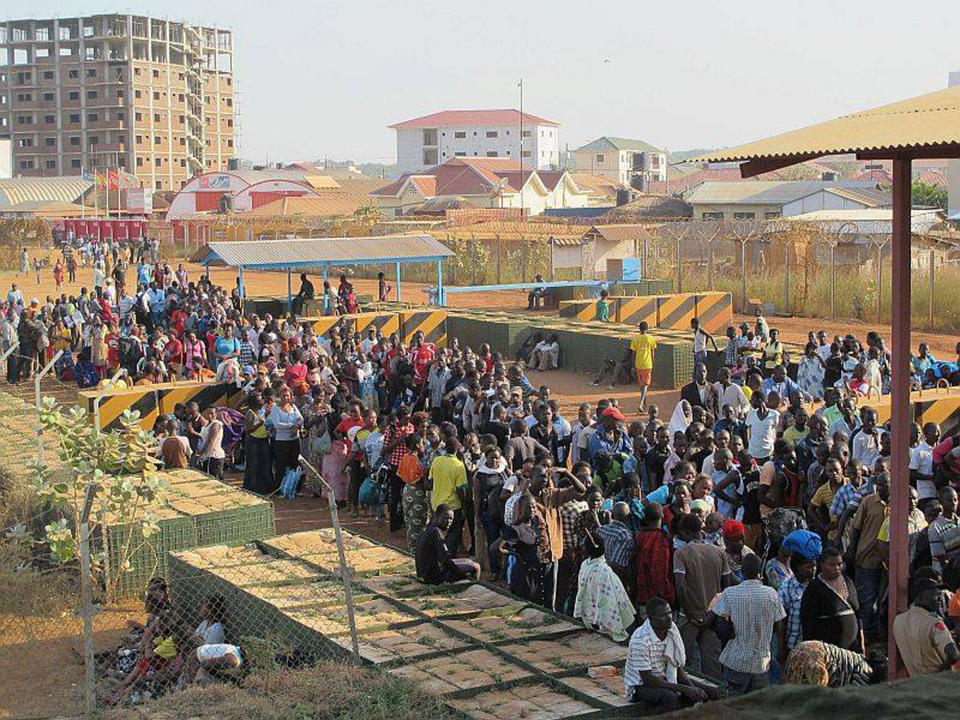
(328, 77)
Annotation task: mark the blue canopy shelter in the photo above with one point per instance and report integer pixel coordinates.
(322, 253)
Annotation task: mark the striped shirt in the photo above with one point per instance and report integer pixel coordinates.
(617, 544)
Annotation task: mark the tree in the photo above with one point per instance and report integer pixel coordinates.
(928, 195)
(119, 466)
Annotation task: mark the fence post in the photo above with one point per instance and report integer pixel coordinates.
(645, 270)
(473, 259)
(523, 259)
(833, 281)
(87, 609)
(498, 258)
(786, 279)
(679, 265)
(6, 355)
(346, 573)
(36, 391)
(932, 279)
(710, 265)
(743, 276)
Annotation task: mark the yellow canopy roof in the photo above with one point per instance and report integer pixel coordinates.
(924, 126)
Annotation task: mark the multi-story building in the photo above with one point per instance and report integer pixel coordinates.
(155, 98)
(632, 163)
(432, 140)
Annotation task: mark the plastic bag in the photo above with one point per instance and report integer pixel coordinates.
(369, 492)
(291, 481)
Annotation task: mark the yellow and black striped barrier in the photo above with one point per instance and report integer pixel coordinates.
(386, 323)
(152, 401)
(586, 310)
(940, 405)
(634, 310)
(674, 312)
(433, 324)
(715, 311)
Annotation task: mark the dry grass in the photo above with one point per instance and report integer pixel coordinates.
(329, 691)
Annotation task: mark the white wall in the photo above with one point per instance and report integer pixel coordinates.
(543, 144)
(821, 200)
(6, 158)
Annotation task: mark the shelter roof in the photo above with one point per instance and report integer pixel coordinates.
(765, 192)
(316, 252)
(14, 191)
(460, 118)
(327, 204)
(618, 143)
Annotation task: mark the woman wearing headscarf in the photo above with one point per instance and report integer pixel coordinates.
(602, 603)
(681, 418)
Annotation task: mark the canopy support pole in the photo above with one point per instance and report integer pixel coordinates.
(899, 404)
(241, 287)
(289, 290)
(398, 282)
(440, 283)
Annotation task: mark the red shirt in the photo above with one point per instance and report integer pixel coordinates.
(294, 375)
(344, 427)
(654, 572)
(422, 358)
(174, 351)
(393, 432)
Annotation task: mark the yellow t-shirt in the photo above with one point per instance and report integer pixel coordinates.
(643, 347)
(823, 497)
(448, 473)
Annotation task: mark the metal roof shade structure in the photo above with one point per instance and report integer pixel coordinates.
(927, 126)
(303, 253)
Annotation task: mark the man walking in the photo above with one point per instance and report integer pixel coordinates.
(643, 347)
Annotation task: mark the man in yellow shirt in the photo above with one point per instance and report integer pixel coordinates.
(447, 481)
(643, 347)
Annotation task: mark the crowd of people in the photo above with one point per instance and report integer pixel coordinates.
(743, 534)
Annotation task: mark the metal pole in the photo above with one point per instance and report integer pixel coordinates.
(743, 275)
(786, 279)
(346, 573)
(103, 391)
(679, 266)
(5, 357)
(833, 283)
(932, 285)
(398, 282)
(87, 610)
(498, 259)
(710, 265)
(899, 404)
(36, 391)
(879, 280)
(645, 270)
(440, 283)
(473, 258)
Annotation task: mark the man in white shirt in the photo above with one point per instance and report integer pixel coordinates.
(762, 423)
(865, 446)
(654, 674)
(921, 462)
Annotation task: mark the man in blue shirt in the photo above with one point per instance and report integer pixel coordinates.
(610, 439)
(784, 386)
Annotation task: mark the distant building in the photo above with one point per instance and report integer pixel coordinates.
(148, 96)
(759, 200)
(434, 139)
(6, 158)
(481, 183)
(632, 163)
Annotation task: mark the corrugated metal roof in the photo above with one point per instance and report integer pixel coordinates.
(618, 143)
(14, 191)
(460, 118)
(314, 252)
(870, 221)
(765, 192)
(870, 197)
(627, 232)
(327, 204)
(932, 119)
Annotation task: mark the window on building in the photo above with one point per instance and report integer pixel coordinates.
(712, 216)
(75, 117)
(744, 216)
(181, 119)
(139, 162)
(229, 102)
(91, 72)
(156, 162)
(599, 157)
(492, 133)
(139, 139)
(42, 52)
(156, 73)
(74, 140)
(25, 119)
(492, 153)
(49, 119)
(26, 164)
(92, 117)
(772, 215)
(64, 32)
(183, 141)
(230, 143)
(120, 94)
(156, 96)
(73, 95)
(50, 142)
(156, 140)
(93, 140)
(460, 135)
(527, 153)
(48, 74)
(459, 154)
(48, 97)
(25, 142)
(183, 162)
(51, 164)
(138, 116)
(525, 133)
(88, 30)
(121, 116)
(136, 93)
(75, 163)
(74, 74)
(229, 122)
(24, 97)
(156, 117)
(24, 77)
(92, 94)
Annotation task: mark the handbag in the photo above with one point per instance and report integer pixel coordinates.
(321, 444)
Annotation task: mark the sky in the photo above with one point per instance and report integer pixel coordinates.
(325, 78)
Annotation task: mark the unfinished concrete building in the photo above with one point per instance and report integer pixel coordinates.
(152, 97)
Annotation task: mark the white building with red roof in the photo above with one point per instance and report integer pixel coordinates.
(431, 140)
(494, 182)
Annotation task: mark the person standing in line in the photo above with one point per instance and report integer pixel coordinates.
(756, 613)
(700, 339)
(643, 347)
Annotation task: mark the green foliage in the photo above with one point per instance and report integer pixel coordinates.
(927, 195)
(120, 468)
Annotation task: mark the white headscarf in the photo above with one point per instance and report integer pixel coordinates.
(679, 421)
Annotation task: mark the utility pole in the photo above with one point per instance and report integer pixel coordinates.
(519, 159)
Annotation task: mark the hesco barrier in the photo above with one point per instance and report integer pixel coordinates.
(155, 400)
(387, 322)
(674, 312)
(432, 323)
(715, 311)
(582, 345)
(480, 649)
(941, 406)
(260, 306)
(634, 310)
(586, 310)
